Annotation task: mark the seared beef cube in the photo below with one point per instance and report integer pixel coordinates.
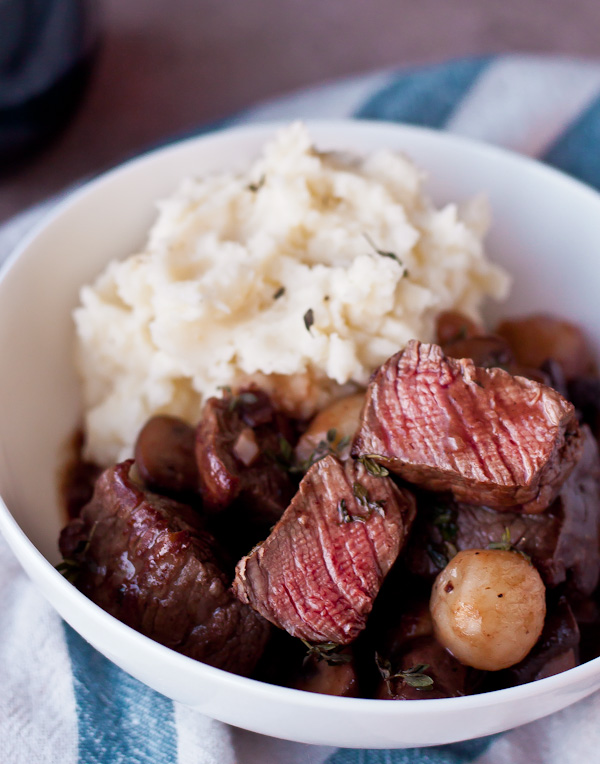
(238, 442)
(145, 559)
(488, 437)
(318, 572)
(556, 650)
(563, 541)
(164, 456)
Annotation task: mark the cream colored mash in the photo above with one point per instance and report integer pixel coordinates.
(304, 273)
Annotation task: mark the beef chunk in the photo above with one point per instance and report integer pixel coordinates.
(237, 443)
(318, 572)
(563, 541)
(144, 559)
(486, 436)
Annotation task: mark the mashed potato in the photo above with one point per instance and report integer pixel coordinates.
(303, 274)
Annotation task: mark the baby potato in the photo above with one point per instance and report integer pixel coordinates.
(488, 608)
(342, 416)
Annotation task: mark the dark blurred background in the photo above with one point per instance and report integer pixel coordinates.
(163, 67)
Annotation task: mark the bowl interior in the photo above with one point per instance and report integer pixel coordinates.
(545, 231)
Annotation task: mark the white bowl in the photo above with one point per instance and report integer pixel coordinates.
(546, 232)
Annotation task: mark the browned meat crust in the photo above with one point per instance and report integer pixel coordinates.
(144, 559)
(318, 572)
(488, 437)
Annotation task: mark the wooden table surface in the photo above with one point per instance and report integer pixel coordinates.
(166, 66)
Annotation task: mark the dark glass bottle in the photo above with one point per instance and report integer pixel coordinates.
(47, 48)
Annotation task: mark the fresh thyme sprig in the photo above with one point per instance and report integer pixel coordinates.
(506, 545)
(285, 457)
(330, 652)
(414, 676)
(70, 567)
(241, 399)
(444, 519)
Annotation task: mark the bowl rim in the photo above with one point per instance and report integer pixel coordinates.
(16, 537)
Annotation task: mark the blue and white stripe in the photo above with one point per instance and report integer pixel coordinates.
(63, 703)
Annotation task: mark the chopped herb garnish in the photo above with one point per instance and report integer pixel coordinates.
(385, 253)
(444, 519)
(438, 559)
(345, 516)
(69, 569)
(362, 496)
(373, 467)
(324, 448)
(285, 449)
(343, 443)
(279, 293)
(414, 676)
(506, 545)
(330, 652)
(309, 319)
(257, 186)
(243, 399)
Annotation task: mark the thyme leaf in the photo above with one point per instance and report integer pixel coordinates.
(439, 560)
(345, 516)
(324, 448)
(330, 652)
(414, 676)
(343, 443)
(444, 519)
(386, 253)
(373, 467)
(285, 449)
(506, 545)
(69, 569)
(362, 496)
(257, 186)
(309, 319)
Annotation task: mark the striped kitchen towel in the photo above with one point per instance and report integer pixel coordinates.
(61, 702)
